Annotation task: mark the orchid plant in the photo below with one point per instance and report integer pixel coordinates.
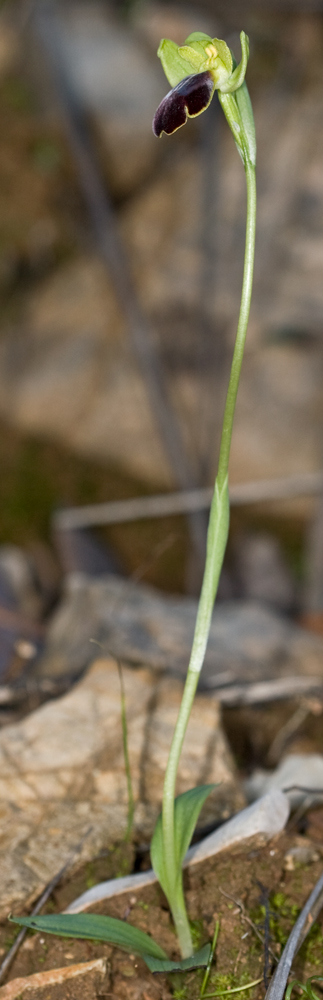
(195, 71)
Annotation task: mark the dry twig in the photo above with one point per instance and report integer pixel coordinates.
(301, 928)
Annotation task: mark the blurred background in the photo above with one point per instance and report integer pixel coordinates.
(120, 275)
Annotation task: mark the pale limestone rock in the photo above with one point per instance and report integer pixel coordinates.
(299, 775)
(72, 373)
(62, 772)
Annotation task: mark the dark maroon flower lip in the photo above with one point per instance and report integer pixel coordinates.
(191, 96)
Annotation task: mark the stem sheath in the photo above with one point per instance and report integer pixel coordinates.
(216, 545)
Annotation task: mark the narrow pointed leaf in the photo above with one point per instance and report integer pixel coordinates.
(157, 855)
(97, 928)
(239, 72)
(197, 961)
(224, 53)
(187, 808)
(175, 66)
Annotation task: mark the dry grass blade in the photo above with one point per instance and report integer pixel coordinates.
(247, 920)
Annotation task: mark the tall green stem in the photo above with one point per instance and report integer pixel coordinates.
(216, 544)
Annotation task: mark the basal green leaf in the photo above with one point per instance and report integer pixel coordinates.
(97, 928)
(157, 855)
(187, 808)
(197, 961)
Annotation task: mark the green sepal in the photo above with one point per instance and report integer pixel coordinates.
(239, 72)
(197, 36)
(202, 44)
(187, 808)
(176, 67)
(94, 927)
(197, 961)
(224, 53)
(200, 53)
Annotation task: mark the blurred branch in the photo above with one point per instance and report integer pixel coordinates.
(137, 508)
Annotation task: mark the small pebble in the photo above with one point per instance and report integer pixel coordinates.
(301, 855)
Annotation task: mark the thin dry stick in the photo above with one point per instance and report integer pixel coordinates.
(161, 505)
(11, 954)
(264, 901)
(247, 920)
(287, 731)
(303, 925)
(271, 690)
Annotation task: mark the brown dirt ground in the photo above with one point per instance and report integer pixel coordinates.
(239, 955)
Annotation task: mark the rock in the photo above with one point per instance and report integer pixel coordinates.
(248, 642)
(21, 634)
(263, 821)
(95, 971)
(80, 552)
(304, 771)
(63, 774)
(256, 824)
(71, 373)
(303, 853)
(262, 572)
(16, 574)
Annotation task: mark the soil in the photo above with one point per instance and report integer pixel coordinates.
(213, 891)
